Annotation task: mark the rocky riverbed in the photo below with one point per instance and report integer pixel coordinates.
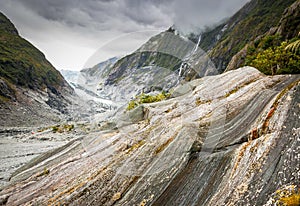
(20, 145)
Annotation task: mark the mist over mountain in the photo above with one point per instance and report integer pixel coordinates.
(78, 28)
(188, 118)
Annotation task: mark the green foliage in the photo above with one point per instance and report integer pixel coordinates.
(132, 104)
(269, 41)
(294, 47)
(291, 200)
(144, 98)
(45, 172)
(21, 63)
(55, 128)
(289, 196)
(271, 56)
(255, 19)
(62, 128)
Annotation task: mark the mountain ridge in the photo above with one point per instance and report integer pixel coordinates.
(28, 80)
(222, 139)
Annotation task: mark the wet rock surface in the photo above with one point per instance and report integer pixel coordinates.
(232, 139)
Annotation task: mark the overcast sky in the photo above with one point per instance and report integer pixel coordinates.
(69, 32)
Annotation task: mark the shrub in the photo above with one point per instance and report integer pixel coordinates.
(55, 128)
(144, 98)
(289, 196)
(63, 128)
(292, 200)
(270, 57)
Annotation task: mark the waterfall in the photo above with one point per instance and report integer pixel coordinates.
(180, 69)
(197, 45)
(184, 63)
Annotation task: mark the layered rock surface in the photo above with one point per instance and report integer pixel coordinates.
(230, 139)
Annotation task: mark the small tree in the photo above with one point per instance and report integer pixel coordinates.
(276, 60)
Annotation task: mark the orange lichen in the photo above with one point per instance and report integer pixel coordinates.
(265, 125)
(254, 134)
(288, 196)
(235, 89)
(135, 146)
(164, 145)
(240, 156)
(143, 203)
(292, 200)
(116, 196)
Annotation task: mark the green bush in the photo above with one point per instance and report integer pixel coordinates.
(294, 47)
(273, 56)
(62, 128)
(144, 98)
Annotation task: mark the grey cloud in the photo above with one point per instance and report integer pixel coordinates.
(94, 13)
(84, 25)
(97, 14)
(196, 14)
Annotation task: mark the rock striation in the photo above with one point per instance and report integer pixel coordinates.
(229, 139)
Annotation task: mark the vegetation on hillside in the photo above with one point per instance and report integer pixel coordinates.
(294, 47)
(255, 19)
(22, 64)
(62, 128)
(272, 56)
(142, 59)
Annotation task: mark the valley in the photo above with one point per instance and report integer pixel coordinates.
(168, 124)
(149, 158)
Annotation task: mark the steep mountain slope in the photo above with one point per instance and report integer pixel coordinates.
(229, 139)
(161, 63)
(274, 41)
(93, 79)
(171, 58)
(256, 18)
(28, 82)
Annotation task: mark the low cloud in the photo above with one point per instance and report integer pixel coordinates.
(69, 31)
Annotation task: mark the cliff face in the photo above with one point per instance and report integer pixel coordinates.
(289, 25)
(26, 77)
(230, 139)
